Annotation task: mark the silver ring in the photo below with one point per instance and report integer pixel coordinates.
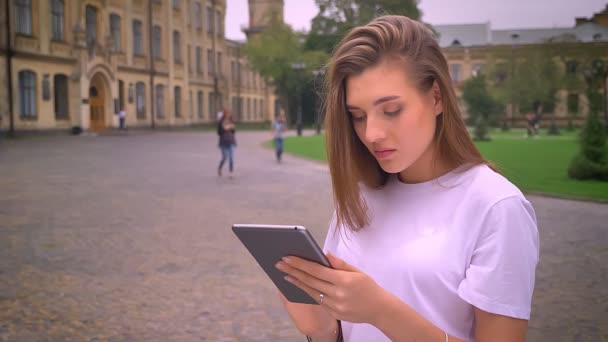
(321, 296)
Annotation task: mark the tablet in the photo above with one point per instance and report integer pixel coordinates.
(269, 243)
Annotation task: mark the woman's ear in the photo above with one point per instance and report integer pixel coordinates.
(437, 98)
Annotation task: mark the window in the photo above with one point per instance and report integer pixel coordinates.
(191, 104)
(211, 105)
(60, 87)
(138, 44)
(262, 108)
(573, 103)
(501, 73)
(476, 71)
(234, 107)
(57, 24)
(156, 42)
(571, 67)
(177, 94)
(219, 63)
(200, 99)
(177, 56)
(210, 70)
(233, 71)
(23, 16)
(115, 32)
(199, 53)
(198, 16)
(175, 4)
(91, 24)
(140, 100)
(248, 108)
(455, 72)
(209, 20)
(27, 94)
(160, 101)
(121, 94)
(189, 59)
(218, 23)
(255, 107)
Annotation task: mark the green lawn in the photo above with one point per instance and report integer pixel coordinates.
(536, 165)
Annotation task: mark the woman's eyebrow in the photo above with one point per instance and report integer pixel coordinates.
(377, 102)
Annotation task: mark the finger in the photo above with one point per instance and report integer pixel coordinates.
(314, 294)
(305, 278)
(316, 270)
(340, 264)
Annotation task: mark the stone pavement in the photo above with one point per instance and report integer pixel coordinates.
(127, 238)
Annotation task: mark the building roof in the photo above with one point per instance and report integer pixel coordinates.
(482, 34)
(464, 34)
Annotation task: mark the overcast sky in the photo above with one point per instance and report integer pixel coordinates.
(503, 14)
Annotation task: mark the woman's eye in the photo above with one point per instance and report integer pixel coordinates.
(360, 118)
(393, 113)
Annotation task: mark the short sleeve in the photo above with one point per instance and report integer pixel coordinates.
(500, 277)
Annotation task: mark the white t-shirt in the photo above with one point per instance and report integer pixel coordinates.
(468, 238)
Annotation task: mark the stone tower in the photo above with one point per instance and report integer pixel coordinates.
(260, 14)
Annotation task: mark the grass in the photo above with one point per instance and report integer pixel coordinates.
(537, 165)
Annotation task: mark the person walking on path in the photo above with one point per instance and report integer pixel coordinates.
(278, 127)
(121, 118)
(226, 132)
(428, 242)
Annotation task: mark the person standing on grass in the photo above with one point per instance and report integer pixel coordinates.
(428, 242)
(227, 141)
(278, 127)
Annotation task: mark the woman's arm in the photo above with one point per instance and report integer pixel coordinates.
(351, 295)
(400, 322)
(312, 320)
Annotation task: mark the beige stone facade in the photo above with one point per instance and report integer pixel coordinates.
(473, 48)
(76, 63)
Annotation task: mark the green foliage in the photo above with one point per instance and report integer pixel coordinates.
(336, 17)
(482, 107)
(592, 161)
(273, 52)
(534, 165)
(527, 77)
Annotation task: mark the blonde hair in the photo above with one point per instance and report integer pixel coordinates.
(351, 164)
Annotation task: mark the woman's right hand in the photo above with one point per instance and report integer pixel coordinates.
(312, 320)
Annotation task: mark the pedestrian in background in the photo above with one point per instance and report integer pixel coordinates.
(226, 132)
(278, 127)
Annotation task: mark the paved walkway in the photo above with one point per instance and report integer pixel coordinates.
(127, 238)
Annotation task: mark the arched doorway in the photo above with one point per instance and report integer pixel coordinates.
(97, 104)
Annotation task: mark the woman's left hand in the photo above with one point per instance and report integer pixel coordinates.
(345, 291)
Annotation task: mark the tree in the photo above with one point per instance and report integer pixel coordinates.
(529, 79)
(273, 52)
(592, 160)
(482, 107)
(336, 17)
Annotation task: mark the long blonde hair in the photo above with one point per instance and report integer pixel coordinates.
(350, 163)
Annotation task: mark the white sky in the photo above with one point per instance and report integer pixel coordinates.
(502, 14)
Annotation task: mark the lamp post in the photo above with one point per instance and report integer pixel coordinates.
(299, 67)
(514, 37)
(318, 73)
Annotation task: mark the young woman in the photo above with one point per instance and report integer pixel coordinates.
(226, 130)
(428, 242)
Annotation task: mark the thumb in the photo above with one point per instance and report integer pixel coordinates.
(340, 264)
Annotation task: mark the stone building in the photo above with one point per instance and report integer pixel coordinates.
(166, 62)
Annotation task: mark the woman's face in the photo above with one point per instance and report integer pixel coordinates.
(394, 120)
